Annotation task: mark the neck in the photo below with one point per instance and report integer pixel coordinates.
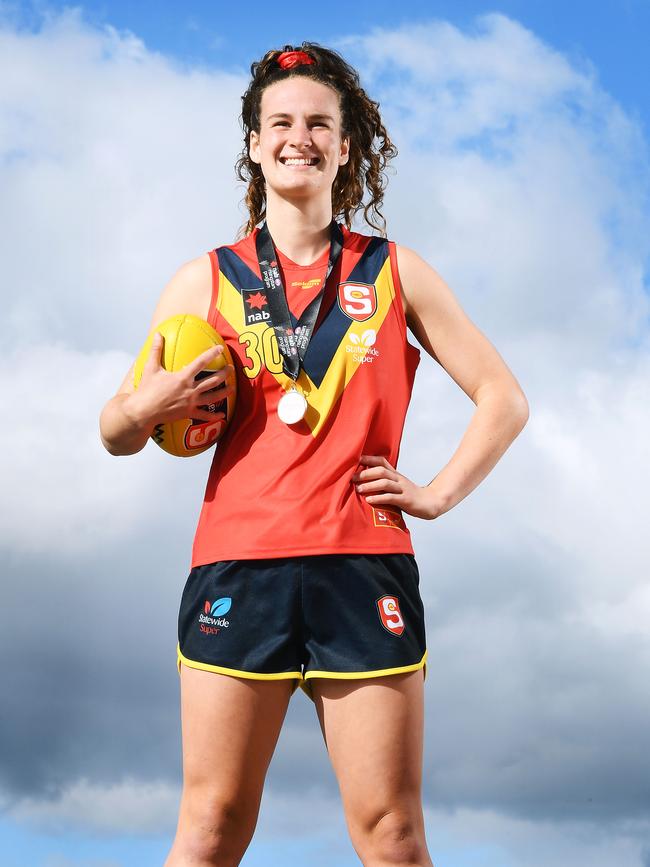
(300, 229)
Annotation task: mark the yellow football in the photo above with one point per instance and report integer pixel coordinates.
(185, 337)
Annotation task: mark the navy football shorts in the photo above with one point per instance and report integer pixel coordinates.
(327, 615)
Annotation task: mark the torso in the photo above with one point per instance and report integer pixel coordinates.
(357, 372)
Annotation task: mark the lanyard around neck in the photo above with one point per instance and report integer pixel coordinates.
(292, 344)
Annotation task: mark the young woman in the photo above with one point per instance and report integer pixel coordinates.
(302, 571)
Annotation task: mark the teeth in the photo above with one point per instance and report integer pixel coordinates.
(293, 161)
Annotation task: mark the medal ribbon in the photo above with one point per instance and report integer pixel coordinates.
(292, 344)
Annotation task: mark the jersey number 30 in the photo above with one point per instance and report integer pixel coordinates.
(261, 350)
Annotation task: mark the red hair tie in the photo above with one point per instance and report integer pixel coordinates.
(289, 59)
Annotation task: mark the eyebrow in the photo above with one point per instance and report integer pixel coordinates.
(311, 116)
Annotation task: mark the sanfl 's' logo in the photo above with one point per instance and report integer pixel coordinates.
(358, 300)
(390, 615)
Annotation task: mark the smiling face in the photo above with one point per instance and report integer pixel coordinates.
(299, 145)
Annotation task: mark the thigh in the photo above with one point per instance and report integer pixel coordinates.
(364, 617)
(240, 617)
(230, 727)
(373, 730)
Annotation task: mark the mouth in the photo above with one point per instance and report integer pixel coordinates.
(299, 162)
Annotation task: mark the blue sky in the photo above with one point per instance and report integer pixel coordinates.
(525, 134)
(610, 35)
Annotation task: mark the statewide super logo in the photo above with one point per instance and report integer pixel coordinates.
(211, 620)
(390, 615)
(362, 347)
(256, 308)
(358, 300)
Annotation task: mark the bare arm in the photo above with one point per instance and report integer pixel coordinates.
(127, 420)
(447, 334)
(121, 432)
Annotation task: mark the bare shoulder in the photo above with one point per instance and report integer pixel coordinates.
(429, 303)
(188, 291)
(418, 278)
(445, 331)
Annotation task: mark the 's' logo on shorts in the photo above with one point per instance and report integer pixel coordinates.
(390, 615)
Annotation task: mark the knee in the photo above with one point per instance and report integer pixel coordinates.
(395, 837)
(214, 831)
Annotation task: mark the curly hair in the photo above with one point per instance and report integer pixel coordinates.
(370, 146)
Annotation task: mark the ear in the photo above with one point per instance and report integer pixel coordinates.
(344, 155)
(254, 146)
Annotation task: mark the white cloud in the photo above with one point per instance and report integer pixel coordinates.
(115, 166)
(453, 836)
(128, 807)
(485, 837)
(531, 186)
(62, 492)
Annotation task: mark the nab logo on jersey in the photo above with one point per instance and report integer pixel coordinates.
(390, 615)
(358, 300)
(256, 308)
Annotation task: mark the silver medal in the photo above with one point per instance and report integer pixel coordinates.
(292, 406)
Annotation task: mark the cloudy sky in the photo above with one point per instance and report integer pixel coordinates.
(525, 134)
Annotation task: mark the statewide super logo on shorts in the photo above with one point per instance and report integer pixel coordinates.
(390, 615)
(211, 619)
(358, 300)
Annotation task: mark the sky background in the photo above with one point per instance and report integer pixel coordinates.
(523, 177)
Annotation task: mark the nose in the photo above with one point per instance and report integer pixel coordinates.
(300, 135)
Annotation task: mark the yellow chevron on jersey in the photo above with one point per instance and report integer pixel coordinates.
(358, 340)
(321, 399)
(252, 336)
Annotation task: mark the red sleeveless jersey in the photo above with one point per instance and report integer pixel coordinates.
(278, 490)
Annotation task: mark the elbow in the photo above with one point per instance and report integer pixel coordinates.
(105, 440)
(522, 407)
(109, 446)
(512, 404)
(119, 452)
(509, 395)
(521, 410)
(111, 450)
